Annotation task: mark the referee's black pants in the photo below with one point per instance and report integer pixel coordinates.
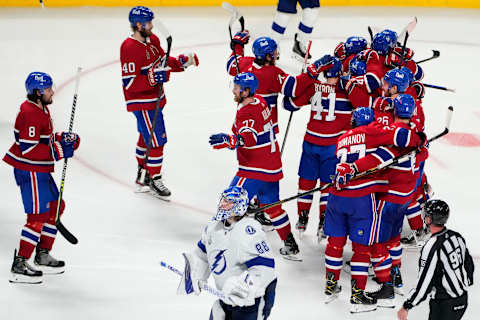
(448, 309)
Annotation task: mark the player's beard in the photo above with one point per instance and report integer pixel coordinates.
(238, 99)
(45, 102)
(145, 33)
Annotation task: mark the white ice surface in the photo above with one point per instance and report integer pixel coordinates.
(114, 272)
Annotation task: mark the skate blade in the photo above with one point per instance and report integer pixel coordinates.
(332, 297)
(399, 291)
(166, 199)
(50, 270)
(292, 257)
(300, 233)
(20, 278)
(386, 303)
(359, 308)
(142, 189)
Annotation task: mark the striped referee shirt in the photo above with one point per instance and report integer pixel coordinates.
(445, 269)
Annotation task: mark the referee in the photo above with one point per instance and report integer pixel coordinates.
(445, 268)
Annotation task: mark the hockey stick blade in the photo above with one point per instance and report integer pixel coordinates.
(436, 54)
(409, 28)
(65, 233)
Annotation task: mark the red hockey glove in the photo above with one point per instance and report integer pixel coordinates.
(382, 104)
(343, 173)
(187, 60)
(240, 38)
(68, 137)
(368, 55)
(419, 88)
(339, 51)
(223, 140)
(323, 64)
(157, 73)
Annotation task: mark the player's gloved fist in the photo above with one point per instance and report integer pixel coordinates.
(237, 290)
(223, 140)
(323, 64)
(62, 149)
(240, 38)
(383, 104)
(419, 88)
(68, 136)
(158, 73)
(394, 60)
(343, 173)
(187, 60)
(368, 55)
(340, 51)
(408, 53)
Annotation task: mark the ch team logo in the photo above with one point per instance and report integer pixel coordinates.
(220, 263)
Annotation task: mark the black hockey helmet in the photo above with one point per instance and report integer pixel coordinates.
(437, 210)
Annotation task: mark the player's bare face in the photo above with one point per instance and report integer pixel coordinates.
(237, 94)
(146, 31)
(47, 97)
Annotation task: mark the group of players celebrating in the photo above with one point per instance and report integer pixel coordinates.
(366, 109)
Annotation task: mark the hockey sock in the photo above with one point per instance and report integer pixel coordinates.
(30, 235)
(280, 221)
(334, 255)
(414, 212)
(395, 249)
(140, 151)
(305, 27)
(155, 160)
(359, 264)
(381, 262)
(49, 230)
(323, 203)
(305, 203)
(280, 23)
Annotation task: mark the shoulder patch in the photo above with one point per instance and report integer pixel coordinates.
(250, 230)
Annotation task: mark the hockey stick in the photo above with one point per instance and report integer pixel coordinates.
(436, 54)
(41, 3)
(291, 112)
(409, 27)
(235, 15)
(384, 165)
(167, 34)
(438, 87)
(58, 223)
(203, 285)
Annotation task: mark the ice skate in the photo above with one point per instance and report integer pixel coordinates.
(302, 222)
(360, 301)
(145, 185)
(397, 280)
(385, 295)
(158, 189)
(417, 238)
(299, 50)
(290, 250)
(332, 289)
(47, 263)
(320, 234)
(22, 272)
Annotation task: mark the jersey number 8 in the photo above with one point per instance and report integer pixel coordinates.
(262, 247)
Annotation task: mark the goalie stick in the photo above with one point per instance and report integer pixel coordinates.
(203, 285)
(384, 165)
(58, 223)
(235, 15)
(167, 34)
(291, 112)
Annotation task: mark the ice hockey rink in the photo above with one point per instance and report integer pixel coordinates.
(114, 271)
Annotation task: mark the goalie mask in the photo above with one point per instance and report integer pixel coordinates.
(233, 203)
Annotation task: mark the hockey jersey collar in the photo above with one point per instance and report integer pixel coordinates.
(42, 108)
(147, 40)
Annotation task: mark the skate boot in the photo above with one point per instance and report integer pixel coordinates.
(22, 272)
(47, 263)
(299, 50)
(417, 238)
(360, 301)
(290, 250)
(385, 295)
(320, 234)
(302, 221)
(397, 280)
(158, 188)
(142, 186)
(332, 289)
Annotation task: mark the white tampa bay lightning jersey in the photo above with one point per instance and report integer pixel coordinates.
(232, 251)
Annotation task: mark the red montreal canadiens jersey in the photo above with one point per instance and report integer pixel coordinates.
(259, 157)
(136, 58)
(358, 143)
(331, 112)
(401, 178)
(33, 133)
(271, 81)
(359, 92)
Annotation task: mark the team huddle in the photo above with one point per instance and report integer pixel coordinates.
(366, 110)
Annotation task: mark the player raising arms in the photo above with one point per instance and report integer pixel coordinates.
(233, 248)
(259, 163)
(141, 59)
(32, 156)
(329, 119)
